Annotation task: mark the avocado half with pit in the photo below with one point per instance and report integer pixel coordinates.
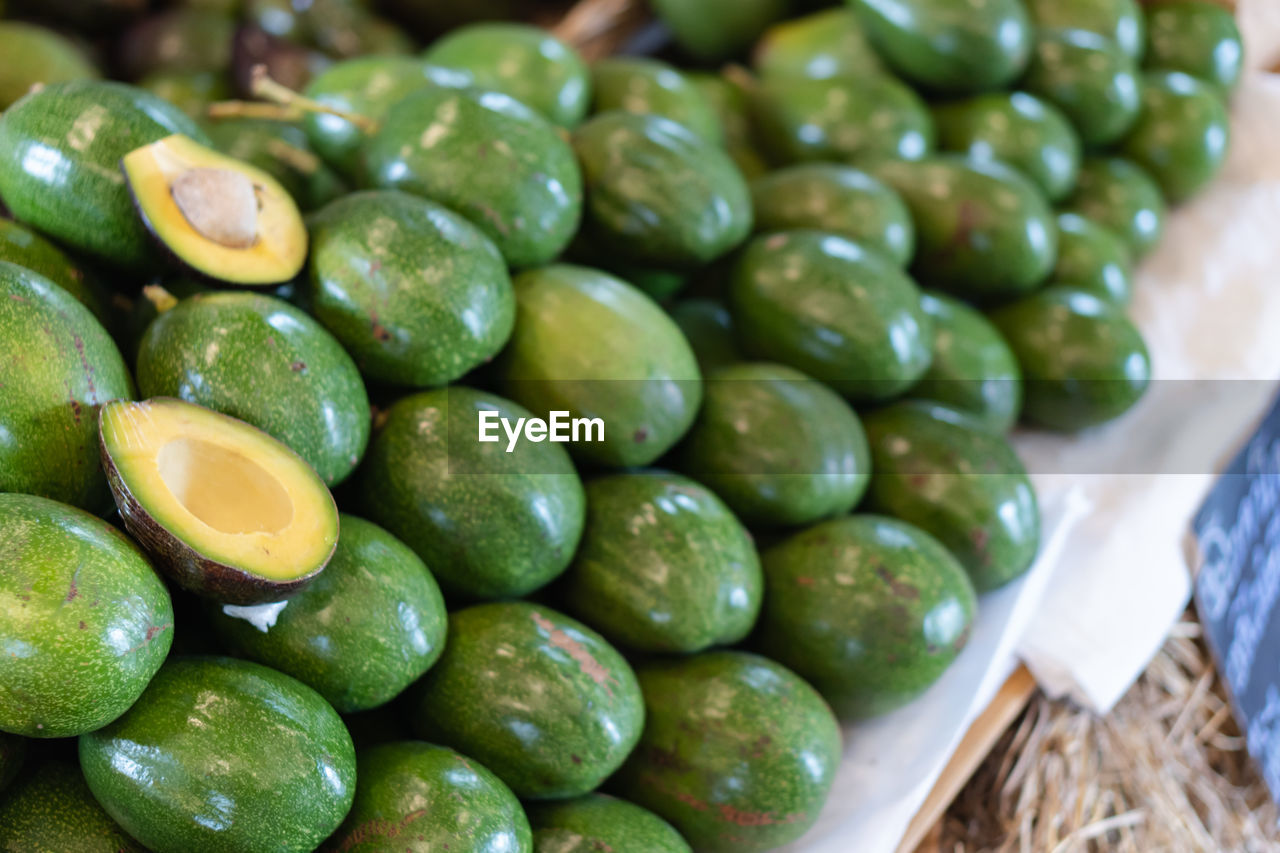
(227, 511)
(219, 216)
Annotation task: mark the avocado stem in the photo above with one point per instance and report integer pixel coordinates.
(740, 77)
(253, 109)
(160, 298)
(262, 86)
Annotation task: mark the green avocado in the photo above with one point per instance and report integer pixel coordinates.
(1196, 37)
(260, 359)
(24, 247)
(856, 324)
(57, 367)
(53, 811)
(190, 91)
(708, 327)
(181, 39)
(249, 759)
(416, 294)
(1090, 78)
(653, 87)
(1019, 129)
(596, 347)
(488, 523)
(837, 199)
(713, 31)
(13, 751)
(526, 62)
(778, 447)
(869, 610)
(738, 752)
(1182, 136)
(973, 368)
(540, 699)
(34, 55)
(664, 566)
(1083, 360)
(599, 822)
(365, 629)
(946, 473)
(983, 231)
(282, 150)
(60, 151)
(489, 158)
(659, 194)
(87, 620)
(825, 44)
(416, 797)
(950, 45)
(1094, 259)
(1122, 21)
(1122, 197)
(732, 106)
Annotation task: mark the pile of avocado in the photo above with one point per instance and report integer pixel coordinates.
(263, 586)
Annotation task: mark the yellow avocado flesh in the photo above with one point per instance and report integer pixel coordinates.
(229, 491)
(194, 199)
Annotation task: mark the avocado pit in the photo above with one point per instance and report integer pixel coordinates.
(220, 204)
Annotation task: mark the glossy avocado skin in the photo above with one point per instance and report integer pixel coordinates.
(488, 157)
(664, 566)
(34, 54)
(1182, 135)
(268, 761)
(53, 809)
(59, 164)
(540, 699)
(469, 809)
(1122, 21)
(488, 524)
(24, 247)
(455, 315)
(638, 84)
(1090, 78)
(599, 822)
(829, 43)
(93, 617)
(1198, 38)
(944, 472)
(868, 609)
(1094, 259)
(1083, 360)
(738, 752)
(708, 326)
(275, 368)
(1122, 197)
(857, 325)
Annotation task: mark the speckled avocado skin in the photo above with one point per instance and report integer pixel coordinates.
(1182, 134)
(1122, 197)
(542, 700)
(599, 822)
(1120, 20)
(1090, 78)
(414, 797)
(829, 43)
(1198, 38)
(1094, 259)
(639, 84)
(868, 609)
(24, 247)
(738, 752)
(249, 759)
(53, 811)
(938, 469)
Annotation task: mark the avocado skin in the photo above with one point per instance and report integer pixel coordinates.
(1083, 360)
(264, 751)
(57, 366)
(488, 157)
(53, 811)
(539, 698)
(731, 104)
(24, 247)
(939, 469)
(60, 151)
(1094, 259)
(457, 315)
(488, 524)
(829, 43)
(708, 327)
(639, 84)
(738, 752)
(283, 151)
(1182, 135)
(95, 618)
(869, 610)
(1122, 197)
(469, 809)
(1090, 78)
(713, 31)
(35, 54)
(1196, 38)
(599, 822)
(1122, 21)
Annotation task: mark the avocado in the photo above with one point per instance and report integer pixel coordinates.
(24, 247)
(955, 46)
(182, 39)
(57, 366)
(1182, 135)
(539, 698)
(193, 92)
(276, 368)
(599, 822)
(837, 199)
(973, 368)
(83, 129)
(488, 157)
(227, 511)
(664, 566)
(732, 105)
(1021, 130)
(1094, 259)
(713, 31)
(738, 752)
(523, 61)
(250, 759)
(417, 294)
(413, 796)
(87, 621)
(778, 447)
(35, 55)
(1122, 197)
(639, 84)
(943, 471)
(1083, 360)
(282, 150)
(1090, 78)
(820, 45)
(1122, 21)
(708, 328)
(488, 523)
(1197, 38)
(856, 324)
(983, 231)
(869, 610)
(659, 194)
(596, 347)
(13, 751)
(53, 811)
(343, 29)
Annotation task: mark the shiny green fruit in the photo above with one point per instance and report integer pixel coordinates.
(1182, 135)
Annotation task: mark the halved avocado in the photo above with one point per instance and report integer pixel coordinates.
(221, 217)
(226, 510)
